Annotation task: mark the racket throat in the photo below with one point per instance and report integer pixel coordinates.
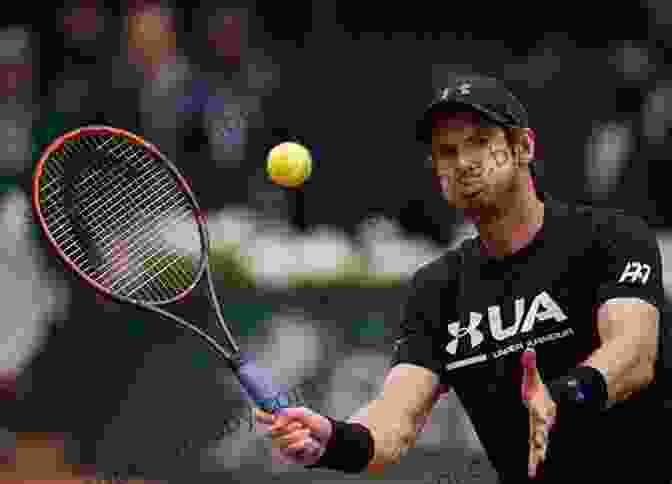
(236, 361)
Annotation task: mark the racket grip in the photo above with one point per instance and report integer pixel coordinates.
(270, 398)
(259, 385)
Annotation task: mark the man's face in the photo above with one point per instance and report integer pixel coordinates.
(474, 162)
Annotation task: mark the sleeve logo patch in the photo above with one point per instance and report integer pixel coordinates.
(635, 272)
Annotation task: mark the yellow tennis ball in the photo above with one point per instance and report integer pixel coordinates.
(289, 164)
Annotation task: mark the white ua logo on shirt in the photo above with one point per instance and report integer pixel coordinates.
(636, 271)
(475, 334)
(542, 308)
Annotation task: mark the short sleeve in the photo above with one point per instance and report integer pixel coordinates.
(420, 341)
(630, 262)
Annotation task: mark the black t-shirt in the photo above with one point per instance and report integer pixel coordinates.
(469, 317)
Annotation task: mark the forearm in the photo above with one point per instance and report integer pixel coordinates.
(394, 427)
(626, 364)
(379, 433)
(393, 432)
(628, 329)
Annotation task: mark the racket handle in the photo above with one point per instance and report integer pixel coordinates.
(259, 385)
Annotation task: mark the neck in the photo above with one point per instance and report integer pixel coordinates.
(513, 228)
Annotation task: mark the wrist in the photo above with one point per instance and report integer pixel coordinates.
(582, 388)
(349, 449)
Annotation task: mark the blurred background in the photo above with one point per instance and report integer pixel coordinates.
(312, 280)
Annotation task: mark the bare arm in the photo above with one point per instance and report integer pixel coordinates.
(628, 328)
(408, 395)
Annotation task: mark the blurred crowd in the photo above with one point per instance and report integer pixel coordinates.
(216, 84)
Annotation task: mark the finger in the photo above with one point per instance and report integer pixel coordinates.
(286, 430)
(528, 360)
(292, 438)
(294, 426)
(540, 439)
(532, 464)
(542, 418)
(550, 422)
(535, 453)
(538, 451)
(280, 422)
(546, 439)
(263, 417)
(531, 449)
(541, 424)
(304, 415)
(302, 444)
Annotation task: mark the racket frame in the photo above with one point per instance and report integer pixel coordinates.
(233, 358)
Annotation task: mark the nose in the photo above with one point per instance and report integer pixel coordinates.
(466, 170)
(464, 161)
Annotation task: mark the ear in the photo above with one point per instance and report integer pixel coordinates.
(525, 147)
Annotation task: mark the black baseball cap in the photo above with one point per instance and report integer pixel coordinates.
(485, 95)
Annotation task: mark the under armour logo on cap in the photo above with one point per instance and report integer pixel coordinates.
(464, 89)
(487, 96)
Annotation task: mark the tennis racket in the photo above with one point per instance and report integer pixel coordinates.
(123, 218)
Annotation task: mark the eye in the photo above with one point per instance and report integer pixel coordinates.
(479, 140)
(448, 151)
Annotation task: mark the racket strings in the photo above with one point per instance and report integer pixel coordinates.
(132, 232)
(60, 156)
(116, 252)
(65, 220)
(103, 227)
(111, 181)
(106, 234)
(156, 256)
(142, 236)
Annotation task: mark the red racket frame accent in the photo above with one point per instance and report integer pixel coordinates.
(55, 145)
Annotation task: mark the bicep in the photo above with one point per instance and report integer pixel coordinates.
(628, 330)
(630, 289)
(631, 319)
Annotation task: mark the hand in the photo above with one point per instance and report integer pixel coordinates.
(542, 410)
(298, 434)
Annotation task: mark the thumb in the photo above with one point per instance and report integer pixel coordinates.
(263, 418)
(531, 377)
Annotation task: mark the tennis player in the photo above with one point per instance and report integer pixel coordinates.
(545, 324)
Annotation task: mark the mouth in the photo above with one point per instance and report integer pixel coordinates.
(472, 194)
(470, 189)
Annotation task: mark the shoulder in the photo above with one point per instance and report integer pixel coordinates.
(616, 226)
(442, 269)
(606, 224)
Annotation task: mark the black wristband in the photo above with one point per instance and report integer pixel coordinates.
(583, 388)
(349, 449)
